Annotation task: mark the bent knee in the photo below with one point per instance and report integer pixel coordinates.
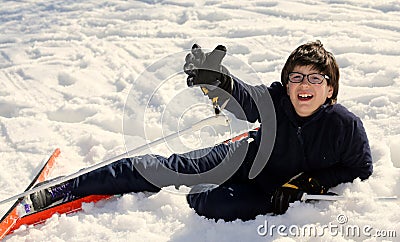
(223, 203)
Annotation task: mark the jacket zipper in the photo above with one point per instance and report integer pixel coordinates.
(299, 135)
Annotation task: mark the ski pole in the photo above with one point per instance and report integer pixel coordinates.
(307, 197)
(214, 120)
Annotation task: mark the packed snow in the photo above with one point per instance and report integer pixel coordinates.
(97, 78)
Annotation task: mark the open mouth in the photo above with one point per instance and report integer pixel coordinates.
(305, 97)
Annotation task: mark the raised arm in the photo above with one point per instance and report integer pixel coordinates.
(252, 100)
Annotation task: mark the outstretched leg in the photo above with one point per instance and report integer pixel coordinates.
(151, 172)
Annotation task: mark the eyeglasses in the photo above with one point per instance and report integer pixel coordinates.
(314, 78)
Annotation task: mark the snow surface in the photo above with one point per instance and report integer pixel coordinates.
(67, 69)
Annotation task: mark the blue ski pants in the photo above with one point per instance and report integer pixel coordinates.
(218, 176)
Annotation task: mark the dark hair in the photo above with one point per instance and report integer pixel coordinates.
(313, 53)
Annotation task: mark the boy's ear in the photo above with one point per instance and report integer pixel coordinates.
(330, 91)
(287, 89)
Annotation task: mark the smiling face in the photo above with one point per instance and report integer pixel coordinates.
(306, 97)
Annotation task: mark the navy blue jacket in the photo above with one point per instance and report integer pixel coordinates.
(331, 145)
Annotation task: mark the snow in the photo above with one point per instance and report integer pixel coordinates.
(98, 77)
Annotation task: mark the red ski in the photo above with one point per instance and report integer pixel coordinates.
(11, 217)
(62, 208)
(12, 221)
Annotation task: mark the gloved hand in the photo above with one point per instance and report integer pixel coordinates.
(293, 191)
(206, 70)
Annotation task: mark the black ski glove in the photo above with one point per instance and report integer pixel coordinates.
(206, 70)
(293, 191)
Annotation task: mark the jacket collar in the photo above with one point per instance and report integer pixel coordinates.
(294, 117)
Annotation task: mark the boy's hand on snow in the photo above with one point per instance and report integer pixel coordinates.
(293, 190)
(283, 196)
(206, 70)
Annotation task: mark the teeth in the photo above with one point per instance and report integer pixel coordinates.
(305, 95)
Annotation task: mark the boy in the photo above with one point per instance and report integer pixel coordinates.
(318, 144)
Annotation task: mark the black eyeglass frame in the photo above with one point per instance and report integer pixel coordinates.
(324, 77)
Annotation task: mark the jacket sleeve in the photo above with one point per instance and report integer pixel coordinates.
(249, 100)
(355, 159)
